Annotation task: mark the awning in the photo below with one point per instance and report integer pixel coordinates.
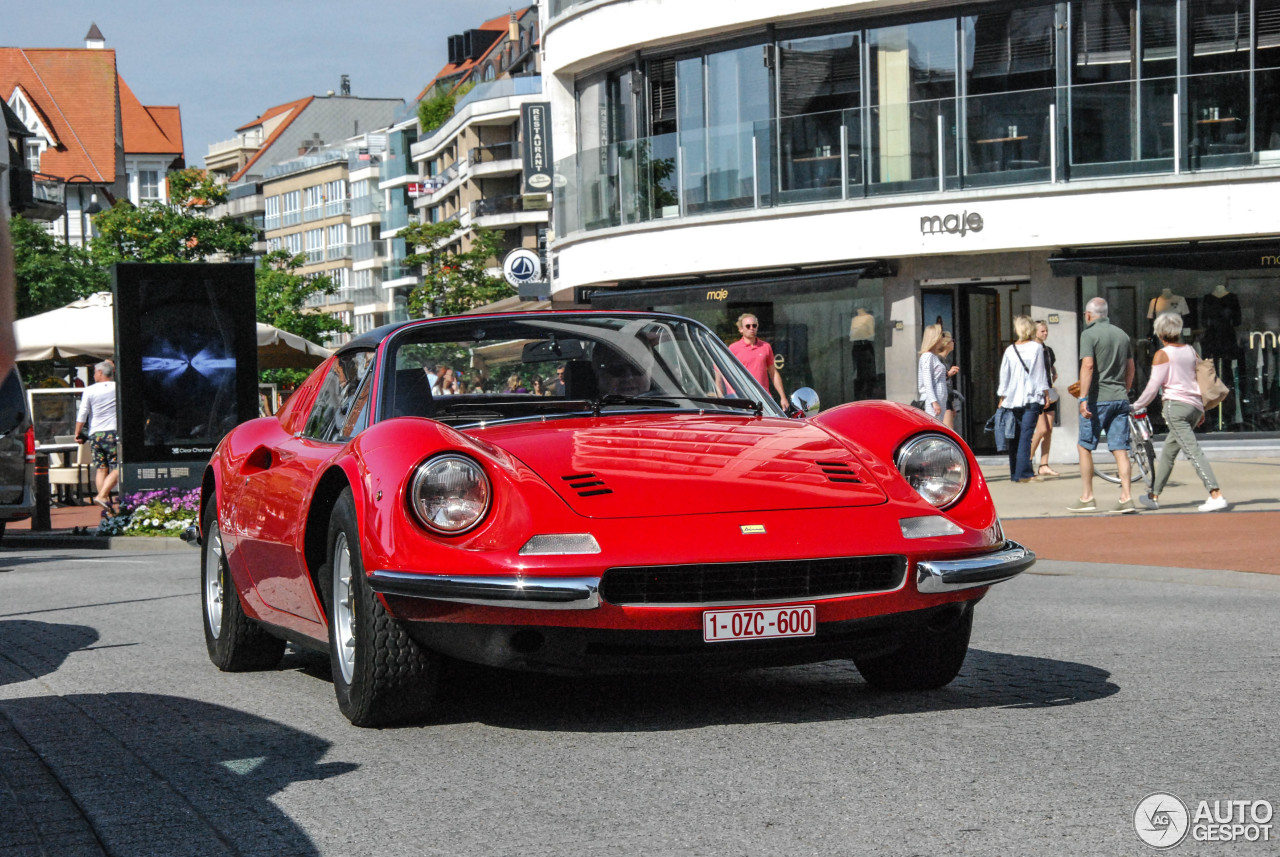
(736, 290)
(1185, 256)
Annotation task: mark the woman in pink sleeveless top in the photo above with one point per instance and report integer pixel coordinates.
(1173, 375)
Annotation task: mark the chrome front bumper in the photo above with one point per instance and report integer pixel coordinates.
(948, 575)
(558, 593)
(583, 593)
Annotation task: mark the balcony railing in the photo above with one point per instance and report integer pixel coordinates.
(363, 205)
(314, 256)
(291, 218)
(251, 140)
(497, 205)
(271, 221)
(396, 217)
(313, 212)
(364, 251)
(948, 144)
(337, 207)
(338, 251)
(494, 152)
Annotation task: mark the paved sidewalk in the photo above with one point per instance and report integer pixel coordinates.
(74, 527)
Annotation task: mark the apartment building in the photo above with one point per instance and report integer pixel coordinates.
(851, 172)
(469, 170)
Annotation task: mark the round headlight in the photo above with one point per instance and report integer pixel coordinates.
(450, 494)
(936, 467)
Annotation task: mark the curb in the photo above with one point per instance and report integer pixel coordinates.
(69, 540)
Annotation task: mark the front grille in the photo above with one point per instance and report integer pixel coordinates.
(752, 581)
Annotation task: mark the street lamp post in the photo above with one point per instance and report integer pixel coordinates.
(94, 207)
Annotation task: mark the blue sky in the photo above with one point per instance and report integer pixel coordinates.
(224, 63)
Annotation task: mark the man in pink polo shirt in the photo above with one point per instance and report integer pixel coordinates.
(757, 355)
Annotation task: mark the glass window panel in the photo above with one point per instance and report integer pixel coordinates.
(1009, 76)
(1267, 76)
(818, 79)
(740, 80)
(913, 82)
(1218, 87)
(691, 122)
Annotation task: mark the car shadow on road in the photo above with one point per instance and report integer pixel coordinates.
(168, 775)
(819, 692)
(31, 649)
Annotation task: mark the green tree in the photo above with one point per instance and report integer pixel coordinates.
(282, 301)
(435, 111)
(453, 281)
(50, 273)
(176, 231)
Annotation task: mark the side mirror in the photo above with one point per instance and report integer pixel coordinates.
(804, 402)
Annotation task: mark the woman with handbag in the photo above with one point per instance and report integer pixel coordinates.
(1024, 386)
(1173, 376)
(932, 373)
(1044, 425)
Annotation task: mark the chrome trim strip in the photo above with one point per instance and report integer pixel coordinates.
(760, 602)
(948, 575)
(548, 593)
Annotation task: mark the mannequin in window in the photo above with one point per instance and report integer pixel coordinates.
(1164, 302)
(862, 335)
(1220, 316)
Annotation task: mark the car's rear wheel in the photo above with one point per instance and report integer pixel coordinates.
(381, 676)
(235, 642)
(929, 660)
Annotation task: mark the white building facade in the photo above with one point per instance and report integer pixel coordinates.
(817, 163)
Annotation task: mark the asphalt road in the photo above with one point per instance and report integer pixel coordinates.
(1086, 689)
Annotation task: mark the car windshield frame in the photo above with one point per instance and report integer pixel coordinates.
(614, 362)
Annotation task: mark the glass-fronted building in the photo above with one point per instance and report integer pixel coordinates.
(915, 163)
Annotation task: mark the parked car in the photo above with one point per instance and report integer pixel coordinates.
(662, 513)
(17, 453)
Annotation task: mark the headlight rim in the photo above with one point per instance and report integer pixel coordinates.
(915, 440)
(420, 473)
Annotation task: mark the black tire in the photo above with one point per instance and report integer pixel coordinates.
(235, 642)
(928, 661)
(385, 677)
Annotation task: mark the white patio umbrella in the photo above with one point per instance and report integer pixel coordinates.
(86, 328)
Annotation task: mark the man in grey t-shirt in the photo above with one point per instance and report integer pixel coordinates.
(1106, 374)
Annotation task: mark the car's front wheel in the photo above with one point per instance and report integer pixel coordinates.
(928, 660)
(235, 642)
(381, 676)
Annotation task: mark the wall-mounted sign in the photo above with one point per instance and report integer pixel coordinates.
(1054, 318)
(951, 224)
(536, 146)
(521, 267)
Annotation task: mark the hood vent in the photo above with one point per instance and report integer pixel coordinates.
(587, 484)
(838, 471)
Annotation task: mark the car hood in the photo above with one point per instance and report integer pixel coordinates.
(647, 465)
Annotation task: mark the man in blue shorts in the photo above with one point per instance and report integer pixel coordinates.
(1106, 374)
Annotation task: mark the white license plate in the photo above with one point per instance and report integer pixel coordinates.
(759, 623)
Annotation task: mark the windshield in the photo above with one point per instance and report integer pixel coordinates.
(473, 370)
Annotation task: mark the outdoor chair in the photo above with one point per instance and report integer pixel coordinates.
(77, 474)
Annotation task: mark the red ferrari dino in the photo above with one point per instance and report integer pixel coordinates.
(583, 491)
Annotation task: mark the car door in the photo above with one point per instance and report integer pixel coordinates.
(277, 490)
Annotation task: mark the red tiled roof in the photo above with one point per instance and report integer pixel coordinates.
(75, 90)
(461, 69)
(295, 109)
(143, 133)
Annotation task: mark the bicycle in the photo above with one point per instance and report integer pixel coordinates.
(1142, 452)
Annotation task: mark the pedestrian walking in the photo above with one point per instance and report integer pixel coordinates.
(96, 424)
(1023, 386)
(1106, 375)
(757, 355)
(1044, 426)
(954, 399)
(932, 373)
(1173, 376)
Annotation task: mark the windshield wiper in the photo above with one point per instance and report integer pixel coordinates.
(619, 399)
(745, 404)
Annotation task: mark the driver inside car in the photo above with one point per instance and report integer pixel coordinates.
(619, 375)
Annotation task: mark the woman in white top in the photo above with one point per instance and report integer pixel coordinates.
(931, 372)
(1024, 389)
(1173, 376)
